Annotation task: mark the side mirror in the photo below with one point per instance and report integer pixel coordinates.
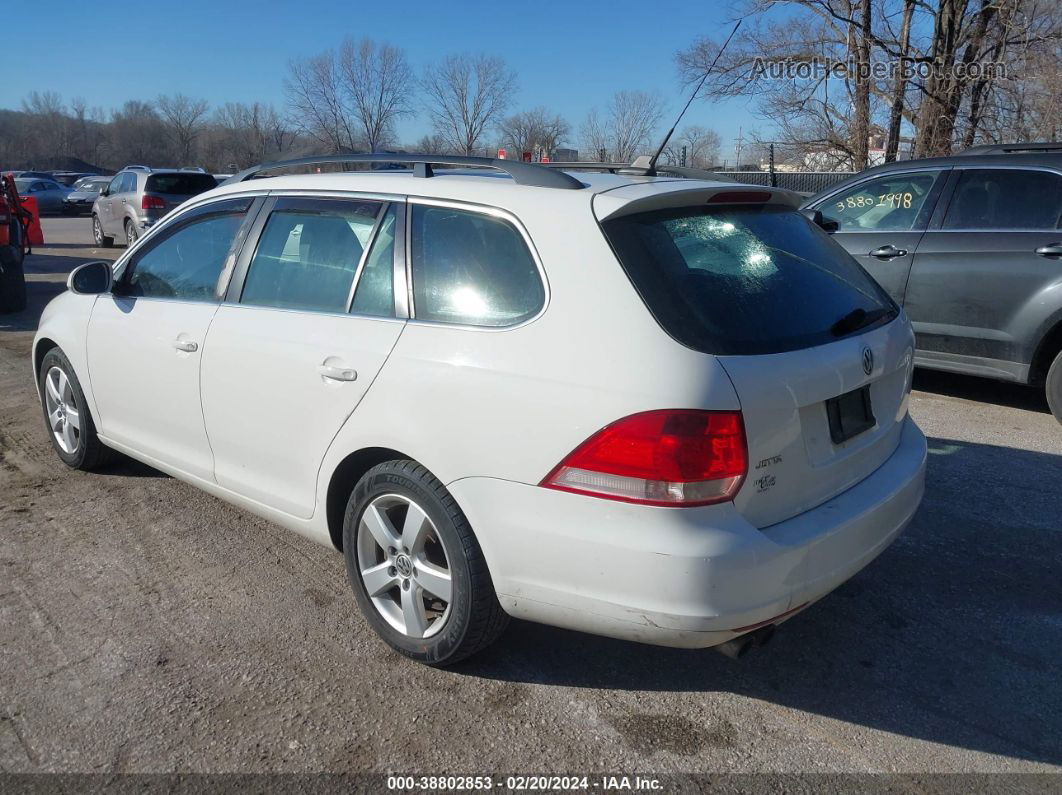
(816, 217)
(105, 190)
(92, 278)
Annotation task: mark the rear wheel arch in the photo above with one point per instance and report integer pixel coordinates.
(343, 480)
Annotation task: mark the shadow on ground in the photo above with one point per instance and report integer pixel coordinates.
(984, 390)
(954, 635)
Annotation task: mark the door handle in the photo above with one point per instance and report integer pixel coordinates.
(334, 373)
(1053, 250)
(888, 252)
(186, 345)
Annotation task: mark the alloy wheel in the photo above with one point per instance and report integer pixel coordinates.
(404, 566)
(64, 418)
(97, 231)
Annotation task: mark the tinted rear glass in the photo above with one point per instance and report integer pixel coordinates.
(743, 280)
(180, 184)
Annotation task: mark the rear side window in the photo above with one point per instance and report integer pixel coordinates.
(743, 280)
(308, 254)
(892, 203)
(187, 184)
(375, 293)
(471, 268)
(1005, 199)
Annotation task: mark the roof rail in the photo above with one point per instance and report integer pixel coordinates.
(1004, 149)
(638, 170)
(522, 173)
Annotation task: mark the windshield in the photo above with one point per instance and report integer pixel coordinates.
(184, 184)
(22, 185)
(744, 280)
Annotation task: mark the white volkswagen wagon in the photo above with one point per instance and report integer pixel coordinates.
(666, 410)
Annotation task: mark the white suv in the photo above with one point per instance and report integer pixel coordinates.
(667, 410)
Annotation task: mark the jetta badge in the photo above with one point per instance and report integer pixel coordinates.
(868, 360)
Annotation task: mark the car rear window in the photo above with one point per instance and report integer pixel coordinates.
(180, 184)
(744, 280)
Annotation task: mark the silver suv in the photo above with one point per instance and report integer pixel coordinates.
(137, 197)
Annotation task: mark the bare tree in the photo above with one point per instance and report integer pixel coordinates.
(314, 88)
(702, 147)
(626, 129)
(184, 118)
(465, 95)
(531, 130)
(137, 135)
(378, 86)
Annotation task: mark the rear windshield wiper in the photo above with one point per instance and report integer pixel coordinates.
(857, 319)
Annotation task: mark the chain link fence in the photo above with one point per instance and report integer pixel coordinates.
(808, 182)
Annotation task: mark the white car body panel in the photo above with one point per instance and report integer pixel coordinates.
(148, 396)
(490, 412)
(270, 412)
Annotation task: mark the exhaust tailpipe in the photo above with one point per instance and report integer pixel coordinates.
(738, 647)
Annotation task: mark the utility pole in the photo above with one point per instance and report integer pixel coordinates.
(737, 148)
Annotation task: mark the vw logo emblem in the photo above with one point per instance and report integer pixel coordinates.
(404, 565)
(868, 360)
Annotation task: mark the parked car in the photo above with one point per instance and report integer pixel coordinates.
(84, 194)
(49, 194)
(971, 246)
(32, 174)
(662, 410)
(137, 197)
(70, 177)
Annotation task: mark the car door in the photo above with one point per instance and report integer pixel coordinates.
(308, 322)
(978, 273)
(146, 338)
(105, 205)
(880, 221)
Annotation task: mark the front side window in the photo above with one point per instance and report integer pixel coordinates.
(891, 203)
(1005, 199)
(308, 254)
(471, 268)
(185, 264)
(115, 185)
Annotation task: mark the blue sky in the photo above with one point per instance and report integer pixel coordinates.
(569, 56)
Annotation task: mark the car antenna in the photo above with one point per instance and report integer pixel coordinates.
(651, 170)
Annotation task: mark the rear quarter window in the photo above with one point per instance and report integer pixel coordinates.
(471, 268)
(742, 280)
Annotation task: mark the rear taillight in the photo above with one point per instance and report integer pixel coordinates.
(679, 457)
(152, 203)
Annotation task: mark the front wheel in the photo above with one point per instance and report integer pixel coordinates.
(97, 233)
(416, 568)
(66, 415)
(1053, 387)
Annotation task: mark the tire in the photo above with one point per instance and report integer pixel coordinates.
(130, 232)
(448, 631)
(97, 233)
(81, 449)
(1053, 387)
(12, 280)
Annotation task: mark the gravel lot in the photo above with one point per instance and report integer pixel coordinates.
(148, 627)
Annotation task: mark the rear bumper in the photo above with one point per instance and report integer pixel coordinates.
(688, 577)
